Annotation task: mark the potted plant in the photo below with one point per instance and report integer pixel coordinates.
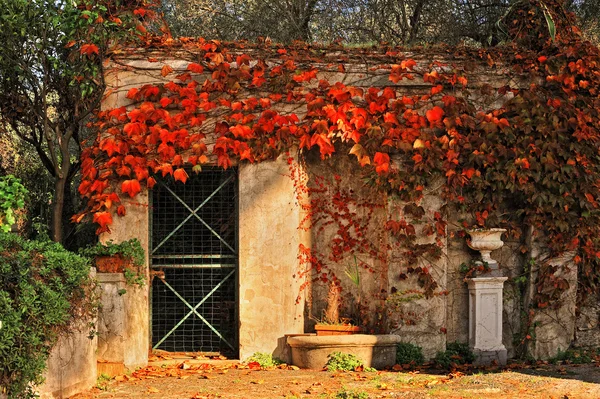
(332, 323)
(127, 257)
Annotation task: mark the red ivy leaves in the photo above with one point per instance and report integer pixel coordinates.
(434, 116)
(89, 49)
(131, 187)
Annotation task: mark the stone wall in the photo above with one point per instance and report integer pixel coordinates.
(71, 366)
(271, 302)
(128, 338)
(269, 238)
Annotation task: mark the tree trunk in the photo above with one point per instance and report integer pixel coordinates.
(58, 203)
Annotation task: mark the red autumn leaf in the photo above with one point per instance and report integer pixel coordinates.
(306, 76)
(542, 58)
(109, 146)
(242, 131)
(180, 175)
(165, 101)
(408, 64)
(224, 161)
(150, 182)
(121, 211)
(133, 94)
(254, 366)
(382, 162)
(149, 91)
(131, 187)
(437, 89)
(325, 146)
(140, 11)
(469, 172)
(166, 70)
(89, 49)
(434, 115)
(103, 219)
(196, 68)
(523, 162)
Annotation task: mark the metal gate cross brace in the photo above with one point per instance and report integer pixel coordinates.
(193, 212)
(194, 310)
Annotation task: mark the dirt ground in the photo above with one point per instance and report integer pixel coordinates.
(196, 379)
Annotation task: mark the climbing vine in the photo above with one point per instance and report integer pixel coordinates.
(523, 154)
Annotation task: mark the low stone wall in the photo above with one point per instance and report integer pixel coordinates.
(71, 366)
(122, 322)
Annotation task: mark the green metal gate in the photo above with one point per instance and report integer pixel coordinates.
(194, 263)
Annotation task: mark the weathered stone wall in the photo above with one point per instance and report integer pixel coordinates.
(422, 320)
(588, 323)
(269, 240)
(71, 366)
(129, 313)
(373, 277)
(121, 339)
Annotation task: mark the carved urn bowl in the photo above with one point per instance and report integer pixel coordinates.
(485, 241)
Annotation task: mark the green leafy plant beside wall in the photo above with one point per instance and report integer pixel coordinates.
(409, 354)
(130, 250)
(339, 361)
(455, 353)
(43, 290)
(12, 198)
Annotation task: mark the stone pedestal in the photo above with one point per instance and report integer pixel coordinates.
(485, 319)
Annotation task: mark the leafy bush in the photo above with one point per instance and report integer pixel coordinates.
(575, 356)
(12, 197)
(43, 289)
(265, 360)
(407, 353)
(456, 353)
(339, 361)
(130, 249)
(344, 394)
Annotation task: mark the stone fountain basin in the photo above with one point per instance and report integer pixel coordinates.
(311, 352)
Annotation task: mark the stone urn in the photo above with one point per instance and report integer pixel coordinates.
(485, 241)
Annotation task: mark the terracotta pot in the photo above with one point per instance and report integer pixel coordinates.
(333, 329)
(111, 264)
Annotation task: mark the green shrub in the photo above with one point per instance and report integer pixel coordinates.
(265, 360)
(43, 289)
(407, 353)
(339, 361)
(344, 394)
(575, 356)
(12, 197)
(456, 353)
(131, 249)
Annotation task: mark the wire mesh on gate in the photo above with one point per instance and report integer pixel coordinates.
(194, 261)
